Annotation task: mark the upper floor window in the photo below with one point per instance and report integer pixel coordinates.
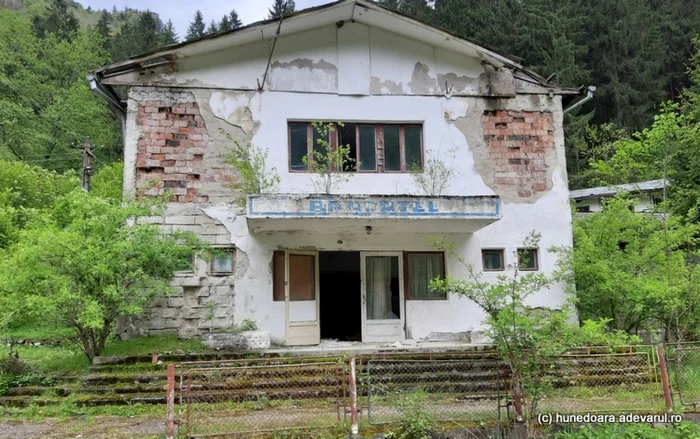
(371, 147)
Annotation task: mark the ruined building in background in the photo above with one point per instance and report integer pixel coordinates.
(306, 263)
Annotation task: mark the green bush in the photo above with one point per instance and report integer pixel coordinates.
(416, 421)
(684, 430)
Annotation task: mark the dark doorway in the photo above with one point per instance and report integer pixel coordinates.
(340, 295)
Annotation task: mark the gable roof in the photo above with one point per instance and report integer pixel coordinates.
(361, 11)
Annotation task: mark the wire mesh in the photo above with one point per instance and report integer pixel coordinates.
(229, 400)
(451, 390)
(604, 383)
(686, 368)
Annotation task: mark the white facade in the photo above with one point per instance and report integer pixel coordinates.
(374, 70)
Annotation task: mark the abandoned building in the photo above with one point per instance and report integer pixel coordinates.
(648, 196)
(444, 137)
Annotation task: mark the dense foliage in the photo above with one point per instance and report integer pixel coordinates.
(81, 259)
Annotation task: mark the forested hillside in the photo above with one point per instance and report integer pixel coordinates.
(635, 51)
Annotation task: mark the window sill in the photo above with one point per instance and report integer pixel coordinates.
(222, 273)
(436, 299)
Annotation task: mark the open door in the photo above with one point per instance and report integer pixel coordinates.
(383, 312)
(301, 298)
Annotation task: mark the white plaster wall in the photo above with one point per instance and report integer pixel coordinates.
(273, 111)
(392, 59)
(593, 203)
(549, 214)
(309, 62)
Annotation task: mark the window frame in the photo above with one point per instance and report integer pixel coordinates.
(406, 274)
(190, 271)
(378, 146)
(537, 258)
(232, 252)
(282, 255)
(502, 254)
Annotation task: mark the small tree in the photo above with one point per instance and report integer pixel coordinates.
(529, 340)
(435, 177)
(88, 261)
(254, 176)
(328, 165)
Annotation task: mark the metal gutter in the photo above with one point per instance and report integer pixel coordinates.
(107, 94)
(578, 102)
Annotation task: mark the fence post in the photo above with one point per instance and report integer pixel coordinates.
(170, 401)
(354, 430)
(664, 377)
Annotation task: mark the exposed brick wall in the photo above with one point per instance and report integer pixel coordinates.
(518, 143)
(172, 148)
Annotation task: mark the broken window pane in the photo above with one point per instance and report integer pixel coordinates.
(347, 137)
(320, 143)
(302, 278)
(368, 149)
(414, 159)
(392, 148)
(299, 146)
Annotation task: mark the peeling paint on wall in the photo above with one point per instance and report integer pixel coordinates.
(388, 87)
(304, 74)
(457, 84)
(234, 108)
(421, 81)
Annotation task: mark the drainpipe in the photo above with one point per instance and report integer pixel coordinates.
(588, 97)
(100, 90)
(112, 102)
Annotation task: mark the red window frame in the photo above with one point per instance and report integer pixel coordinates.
(378, 146)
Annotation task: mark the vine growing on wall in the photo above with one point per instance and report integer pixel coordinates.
(254, 176)
(436, 177)
(329, 166)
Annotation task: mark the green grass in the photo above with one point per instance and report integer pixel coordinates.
(69, 410)
(153, 345)
(69, 359)
(39, 333)
(50, 359)
(685, 430)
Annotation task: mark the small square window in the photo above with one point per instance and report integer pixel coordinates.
(222, 263)
(187, 265)
(583, 209)
(493, 260)
(527, 259)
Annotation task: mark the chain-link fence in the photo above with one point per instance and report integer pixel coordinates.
(685, 374)
(247, 398)
(452, 390)
(239, 399)
(620, 382)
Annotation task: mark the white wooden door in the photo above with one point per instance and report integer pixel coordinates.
(301, 298)
(383, 312)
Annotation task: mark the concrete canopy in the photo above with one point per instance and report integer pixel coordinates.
(371, 213)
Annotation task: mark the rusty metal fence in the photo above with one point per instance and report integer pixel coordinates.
(684, 373)
(251, 398)
(626, 381)
(240, 399)
(456, 391)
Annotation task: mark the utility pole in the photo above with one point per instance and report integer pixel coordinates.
(87, 169)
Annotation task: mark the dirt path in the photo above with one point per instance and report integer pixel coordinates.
(99, 427)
